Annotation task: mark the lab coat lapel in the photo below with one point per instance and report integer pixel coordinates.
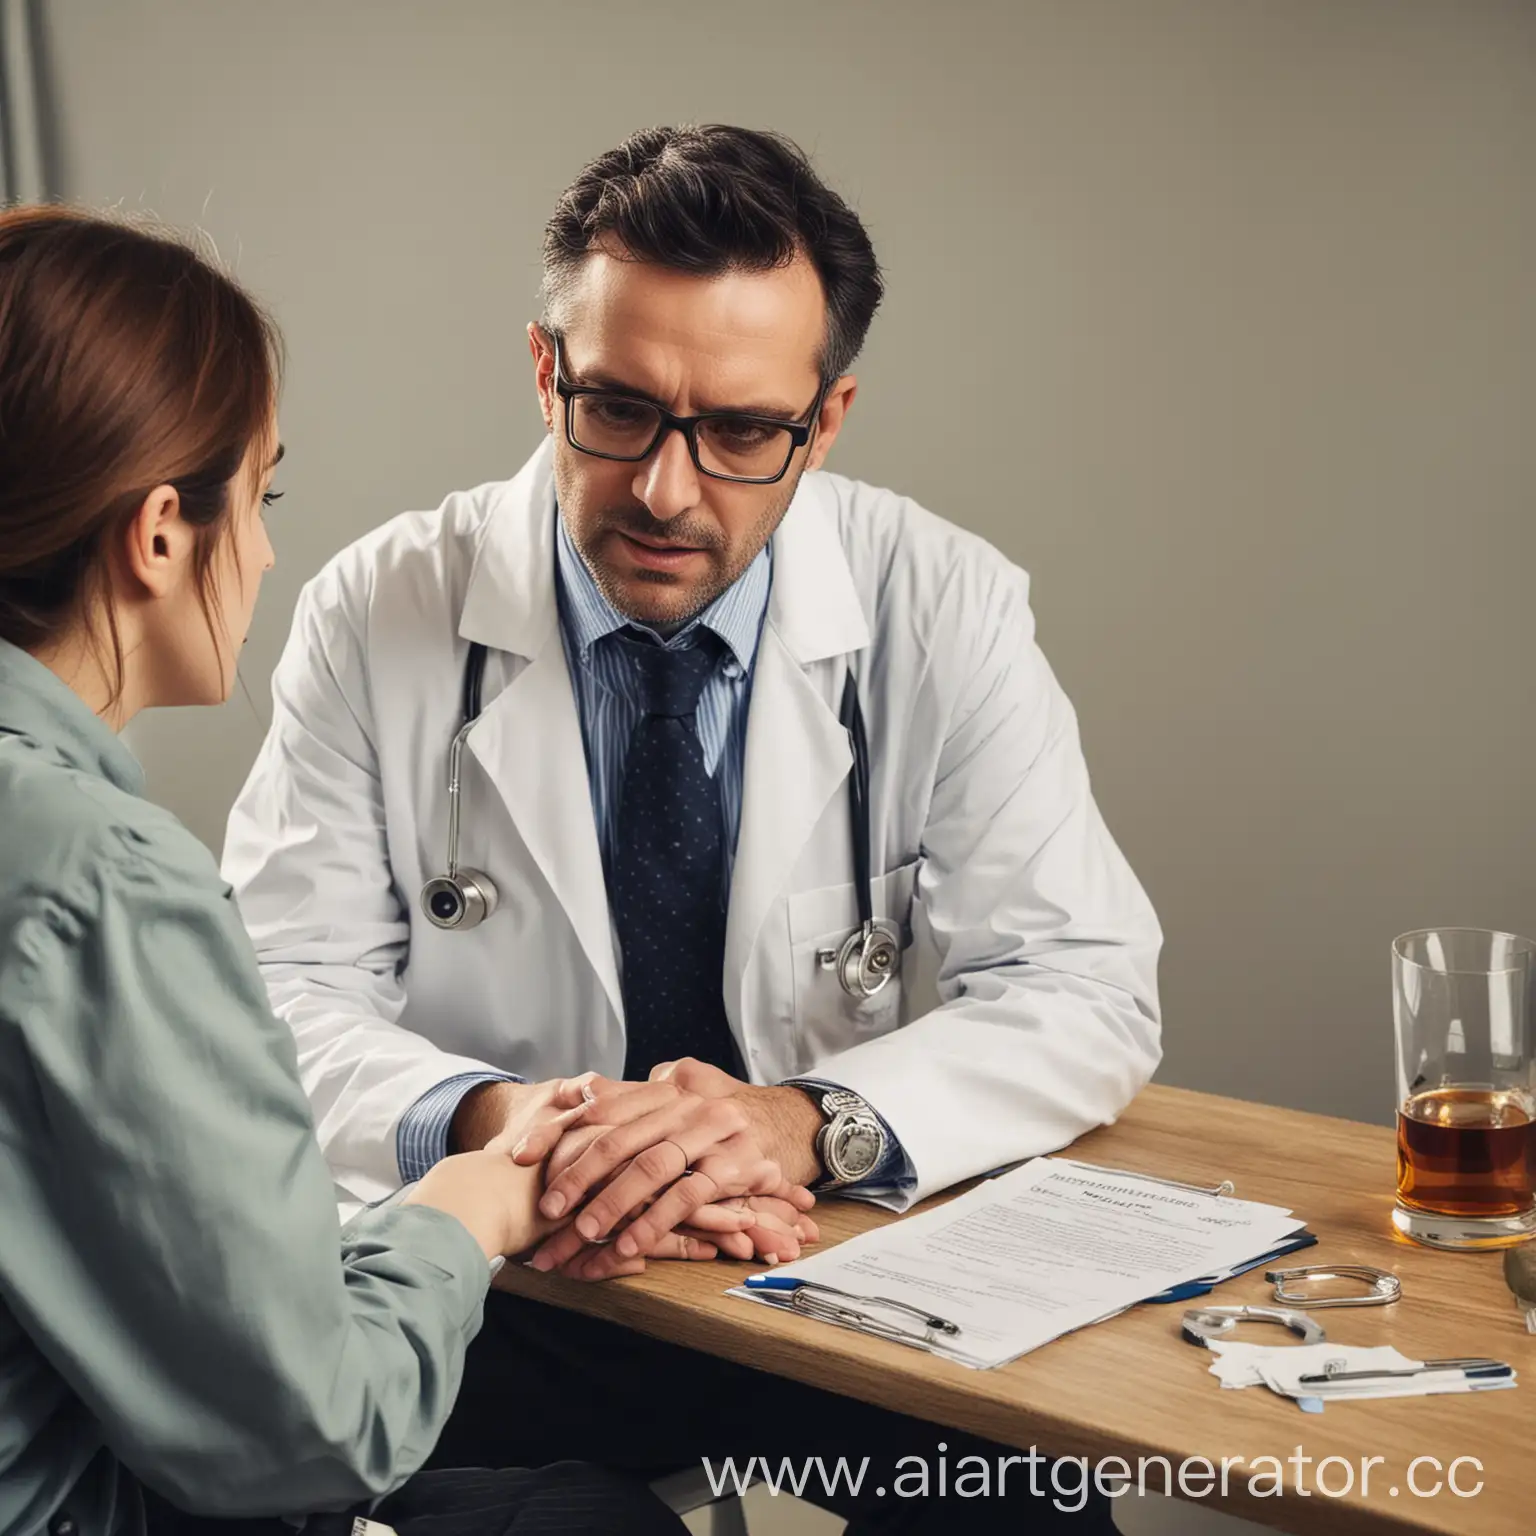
(528, 739)
(797, 752)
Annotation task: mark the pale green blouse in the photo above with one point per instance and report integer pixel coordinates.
(176, 1297)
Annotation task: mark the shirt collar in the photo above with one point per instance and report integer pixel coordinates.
(736, 616)
(37, 705)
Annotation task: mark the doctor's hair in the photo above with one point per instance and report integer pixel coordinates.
(128, 361)
(714, 199)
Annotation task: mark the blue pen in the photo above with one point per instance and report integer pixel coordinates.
(773, 1283)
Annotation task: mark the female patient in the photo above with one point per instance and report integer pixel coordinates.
(184, 1333)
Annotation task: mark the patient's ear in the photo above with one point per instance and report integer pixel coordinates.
(158, 543)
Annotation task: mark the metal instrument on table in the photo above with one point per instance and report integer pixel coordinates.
(1202, 1324)
(1385, 1287)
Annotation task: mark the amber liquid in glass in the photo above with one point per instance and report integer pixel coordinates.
(1467, 1152)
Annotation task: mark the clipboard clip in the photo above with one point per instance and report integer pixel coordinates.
(1226, 1187)
(828, 1304)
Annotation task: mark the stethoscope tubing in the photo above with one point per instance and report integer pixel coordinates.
(851, 717)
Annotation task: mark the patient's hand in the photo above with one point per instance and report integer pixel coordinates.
(494, 1198)
(780, 1230)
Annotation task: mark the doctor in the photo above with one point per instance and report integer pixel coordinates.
(657, 862)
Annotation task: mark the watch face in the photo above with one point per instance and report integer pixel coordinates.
(856, 1148)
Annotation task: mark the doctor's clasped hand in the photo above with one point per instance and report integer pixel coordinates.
(624, 1144)
(671, 1149)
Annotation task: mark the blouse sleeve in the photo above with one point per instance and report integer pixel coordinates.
(172, 1244)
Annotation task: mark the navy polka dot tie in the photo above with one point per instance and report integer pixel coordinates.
(667, 879)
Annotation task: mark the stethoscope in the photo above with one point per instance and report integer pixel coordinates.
(866, 960)
(871, 954)
(462, 898)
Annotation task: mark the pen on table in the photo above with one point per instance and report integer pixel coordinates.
(788, 1285)
(1470, 1369)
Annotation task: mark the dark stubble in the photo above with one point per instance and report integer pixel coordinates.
(683, 531)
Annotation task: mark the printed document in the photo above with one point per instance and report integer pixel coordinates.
(1035, 1253)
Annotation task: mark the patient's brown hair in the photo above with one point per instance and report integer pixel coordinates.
(127, 361)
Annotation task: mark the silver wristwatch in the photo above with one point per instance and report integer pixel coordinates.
(852, 1142)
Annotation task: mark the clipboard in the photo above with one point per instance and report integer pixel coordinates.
(1206, 1283)
(910, 1322)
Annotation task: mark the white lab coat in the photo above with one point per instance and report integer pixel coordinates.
(1026, 1009)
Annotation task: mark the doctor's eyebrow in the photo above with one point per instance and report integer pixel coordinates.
(597, 379)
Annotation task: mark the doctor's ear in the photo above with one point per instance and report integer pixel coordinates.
(542, 349)
(158, 542)
(834, 409)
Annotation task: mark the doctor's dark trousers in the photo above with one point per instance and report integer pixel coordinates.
(544, 1385)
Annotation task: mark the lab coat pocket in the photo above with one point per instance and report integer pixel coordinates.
(828, 1019)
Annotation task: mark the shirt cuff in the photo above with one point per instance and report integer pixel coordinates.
(421, 1138)
(894, 1170)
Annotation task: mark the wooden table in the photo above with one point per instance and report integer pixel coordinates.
(1130, 1388)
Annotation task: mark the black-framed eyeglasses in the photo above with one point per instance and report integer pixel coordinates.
(727, 445)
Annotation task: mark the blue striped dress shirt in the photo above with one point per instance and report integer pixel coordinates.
(608, 705)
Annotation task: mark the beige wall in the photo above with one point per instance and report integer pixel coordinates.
(1217, 315)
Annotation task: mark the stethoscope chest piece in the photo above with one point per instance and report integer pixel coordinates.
(461, 900)
(869, 957)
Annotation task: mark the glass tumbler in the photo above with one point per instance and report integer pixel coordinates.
(1466, 1087)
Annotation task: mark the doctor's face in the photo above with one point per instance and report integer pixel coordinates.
(661, 538)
